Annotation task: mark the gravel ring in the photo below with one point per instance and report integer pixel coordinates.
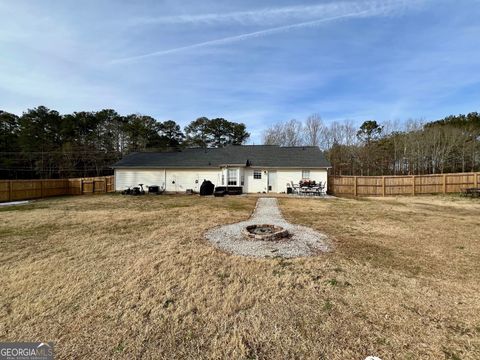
(304, 241)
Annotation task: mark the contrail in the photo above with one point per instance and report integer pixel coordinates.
(269, 15)
(241, 37)
(261, 16)
(373, 8)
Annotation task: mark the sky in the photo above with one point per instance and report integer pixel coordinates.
(256, 62)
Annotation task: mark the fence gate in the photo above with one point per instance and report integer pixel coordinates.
(96, 186)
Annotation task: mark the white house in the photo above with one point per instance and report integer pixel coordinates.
(256, 168)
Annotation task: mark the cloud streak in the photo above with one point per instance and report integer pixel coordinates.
(276, 15)
(373, 8)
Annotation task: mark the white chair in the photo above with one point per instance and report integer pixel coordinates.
(295, 187)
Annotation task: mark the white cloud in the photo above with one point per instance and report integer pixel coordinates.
(322, 14)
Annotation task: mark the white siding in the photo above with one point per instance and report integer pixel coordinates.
(127, 177)
(179, 180)
(255, 185)
(285, 176)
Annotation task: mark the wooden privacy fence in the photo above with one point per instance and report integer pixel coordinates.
(13, 190)
(402, 184)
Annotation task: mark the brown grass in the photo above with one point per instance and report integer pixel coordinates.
(121, 277)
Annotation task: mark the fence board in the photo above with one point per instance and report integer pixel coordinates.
(402, 184)
(13, 190)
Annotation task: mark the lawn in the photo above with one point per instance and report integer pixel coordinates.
(129, 278)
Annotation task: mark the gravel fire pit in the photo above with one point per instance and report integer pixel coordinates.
(265, 232)
(268, 234)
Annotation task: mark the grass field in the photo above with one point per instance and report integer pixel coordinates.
(129, 278)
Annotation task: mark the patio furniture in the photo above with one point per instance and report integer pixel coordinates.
(321, 188)
(295, 188)
(304, 190)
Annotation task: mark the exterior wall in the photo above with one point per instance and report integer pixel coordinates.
(133, 177)
(179, 180)
(255, 185)
(182, 180)
(285, 176)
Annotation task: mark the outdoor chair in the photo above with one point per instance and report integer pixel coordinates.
(295, 188)
(321, 188)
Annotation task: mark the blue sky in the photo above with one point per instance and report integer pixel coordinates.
(248, 61)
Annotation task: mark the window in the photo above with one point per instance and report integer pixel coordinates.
(305, 174)
(223, 179)
(257, 174)
(232, 176)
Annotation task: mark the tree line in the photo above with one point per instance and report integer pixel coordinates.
(42, 143)
(451, 144)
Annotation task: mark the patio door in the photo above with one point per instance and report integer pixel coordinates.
(272, 181)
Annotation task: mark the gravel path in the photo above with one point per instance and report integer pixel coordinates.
(304, 241)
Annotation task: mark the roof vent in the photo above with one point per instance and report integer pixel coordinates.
(249, 163)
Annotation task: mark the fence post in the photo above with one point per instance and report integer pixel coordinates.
(475, 180)
(355, 188)
(9, 190)
(413, 185)
(444, 183)
(383, 186)
(81, 186)
(41, 188)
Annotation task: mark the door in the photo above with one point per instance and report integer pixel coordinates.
(272, 181)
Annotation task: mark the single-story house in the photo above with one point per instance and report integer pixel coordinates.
(256, 168)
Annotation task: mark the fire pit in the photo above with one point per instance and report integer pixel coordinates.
(265, 232)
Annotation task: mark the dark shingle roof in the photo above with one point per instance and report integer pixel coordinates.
(257, 155)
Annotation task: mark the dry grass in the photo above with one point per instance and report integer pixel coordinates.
(121, 277)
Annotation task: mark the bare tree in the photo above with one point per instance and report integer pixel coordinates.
(293, 133)
(284, 134)
(313, 130)
(274, 135)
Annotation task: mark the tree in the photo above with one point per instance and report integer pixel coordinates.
(141, 132)
(40, 136)
(287, 133)
(274, 135)
(9, 132)
(171, 134)
(238, 134)
(216, 132)
(369, 131)
(197, 132)
(9, 129)
(313, 129)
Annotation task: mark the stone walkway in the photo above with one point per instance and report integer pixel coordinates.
(303, 241)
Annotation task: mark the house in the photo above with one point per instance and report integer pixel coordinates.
(256, 168)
